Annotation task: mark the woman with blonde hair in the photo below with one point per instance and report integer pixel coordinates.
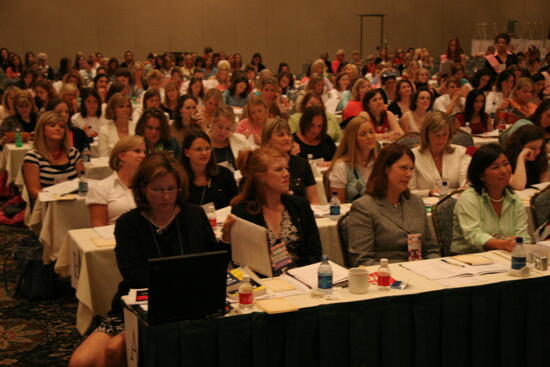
(111, 197)
(171, 96)
(276, 134)
(213, 99)
(7, 108)
(226, 143)
(519, 105)
(138, 80)
(275, 103)
(52, 158)
(256, 117)
(318, 67)
(265, 201)
(69, 93)
(119, 110)
(354, 106)
(436, 159)
(353, 161)
(25, 115)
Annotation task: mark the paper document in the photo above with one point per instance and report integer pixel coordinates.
(437, 269)
(490, 134)
(321, 211)
(542, 185)
(249, 246)
(106, 231)
(308, 274)
(63, 187)
(221, 214)
(525, 195)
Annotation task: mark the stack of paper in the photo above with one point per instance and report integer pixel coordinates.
(308, 274)
(321, 211)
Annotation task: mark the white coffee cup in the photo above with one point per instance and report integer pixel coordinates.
(358, 280)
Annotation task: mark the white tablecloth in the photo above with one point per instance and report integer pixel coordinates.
(11, 160)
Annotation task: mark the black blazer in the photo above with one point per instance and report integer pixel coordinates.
(298, 208)
(135, 244)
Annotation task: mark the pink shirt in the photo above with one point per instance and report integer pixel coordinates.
(245, 128)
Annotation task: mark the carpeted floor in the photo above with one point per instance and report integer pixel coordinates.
(33, 333)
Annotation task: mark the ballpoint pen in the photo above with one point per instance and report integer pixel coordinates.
(452, 263)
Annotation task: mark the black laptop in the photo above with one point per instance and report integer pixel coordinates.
(187, 287)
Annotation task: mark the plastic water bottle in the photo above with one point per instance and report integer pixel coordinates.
(467, 127)
(18, 138)
(384, 275)
(82, 184)
(310, 158)
(519, 257)
(444, 187)
(86, 155)
(246, 294)
(324, 276)
(334, 206)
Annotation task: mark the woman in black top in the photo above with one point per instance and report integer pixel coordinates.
(293, 236)
(163, 224)
(25, 116)
(276, 134)
(208, 182)
(312, 135)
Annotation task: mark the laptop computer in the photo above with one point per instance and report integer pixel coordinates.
(187, 287)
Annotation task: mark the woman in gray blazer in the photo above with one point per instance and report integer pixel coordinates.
(379, 223)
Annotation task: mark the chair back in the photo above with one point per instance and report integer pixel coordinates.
(540, 207)
(326, 184)
(442, 217)
(342, 229)
(462, 138)
(410, 139)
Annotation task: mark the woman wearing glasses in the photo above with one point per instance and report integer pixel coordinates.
(208, 182)
(162, 225)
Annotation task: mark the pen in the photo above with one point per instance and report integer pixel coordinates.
(450, 263)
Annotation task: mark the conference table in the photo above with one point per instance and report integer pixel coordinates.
(95, 276)
(501, 321)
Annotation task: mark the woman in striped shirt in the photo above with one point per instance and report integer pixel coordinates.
(52, 158)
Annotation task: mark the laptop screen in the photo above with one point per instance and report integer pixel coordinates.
(187, 287)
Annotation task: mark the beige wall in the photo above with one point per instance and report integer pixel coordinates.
(282, 30)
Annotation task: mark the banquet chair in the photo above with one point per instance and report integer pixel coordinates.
(410, 139)
(462, 138)
(540, 207)
(442, 217)
(343, 237)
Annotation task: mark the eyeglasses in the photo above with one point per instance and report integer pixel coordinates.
(160, 190)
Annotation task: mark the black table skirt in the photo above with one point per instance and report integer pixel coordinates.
(502, 324)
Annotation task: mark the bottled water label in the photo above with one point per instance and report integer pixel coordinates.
(246, 298)
(383, 280)
(82, 186)
(335, 210)
(325, 281)
(518, 263)
(86, 158)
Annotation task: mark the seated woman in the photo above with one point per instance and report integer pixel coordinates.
(402, 103)
(171, 97)
(353, 162)
(525, 150)
(355, 103)
(212, 100)
(237, 94)
(488, 215)
(293, 236)
(24, 118)
(277, 135)
(52, 158)
(380, 222)
(436, 159)
(256, 117)
(483, 80)
(187, 117)
(384, 122)
(277, 106)
(502, 90)
(153, 127)
(452, 101)
(208, 182)
(538, 91)
(89, 118)
(421, 103)
(7, 107)
(196, 89)
(343, 90)
(313, 99)
(227, 144)
(44, 91)
(69, 94)
(519, 106)
(101, 85)
(111, 197)
(77, 136)
(312, 136)
(119, 110)
(151, 99)
(162, 225)
(474, 113)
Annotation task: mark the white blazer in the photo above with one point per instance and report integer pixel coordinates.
(425, 175)
(108, 137)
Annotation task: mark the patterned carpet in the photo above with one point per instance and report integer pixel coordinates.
(33, 333)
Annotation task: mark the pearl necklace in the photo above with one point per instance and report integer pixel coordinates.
(496, 200)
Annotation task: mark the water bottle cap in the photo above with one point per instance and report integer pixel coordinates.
(246, 278)
(519, 239)
(383, 261)
(325, 257)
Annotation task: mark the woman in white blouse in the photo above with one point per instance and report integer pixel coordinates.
(436, 159)
(111, 197)
(353, 162)
(119, 110)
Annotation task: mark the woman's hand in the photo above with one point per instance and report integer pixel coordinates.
(527, 154)
(504, 105)
(295, 148)
(226, 228)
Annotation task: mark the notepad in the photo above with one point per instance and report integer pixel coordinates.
(276, 305)
(471, 259)
(435, 269)
(103, 242)
(308, 274)
(278, 285)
